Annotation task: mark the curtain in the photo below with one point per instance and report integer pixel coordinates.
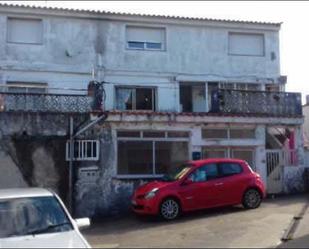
(124, 98)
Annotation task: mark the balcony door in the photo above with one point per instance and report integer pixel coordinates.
(192, 97)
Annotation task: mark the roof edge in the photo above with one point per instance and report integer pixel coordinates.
(170, 17)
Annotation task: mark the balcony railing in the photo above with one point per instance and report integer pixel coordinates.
(37, 102)
(278, 104)
(38, 98)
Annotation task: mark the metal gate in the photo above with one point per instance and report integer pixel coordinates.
(274, 163)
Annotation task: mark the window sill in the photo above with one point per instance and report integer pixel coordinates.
(136, 177)
(146, 50)
(25, 43)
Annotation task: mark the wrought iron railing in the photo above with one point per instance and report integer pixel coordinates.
(256, 102)
(42, 102)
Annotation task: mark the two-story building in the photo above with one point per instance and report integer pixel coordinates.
(176, 89)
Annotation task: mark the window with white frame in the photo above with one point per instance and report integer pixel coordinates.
(145, 38)
(135, 98)
(26, 87)
(243, 153)
(215, 133)
(152, 153)
(229, 133)
(246, 44)
(84, 150)
(24, 30)
(210, 152)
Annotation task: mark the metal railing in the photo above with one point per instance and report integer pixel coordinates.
(277, 158)
(256, 102)
(69, 101)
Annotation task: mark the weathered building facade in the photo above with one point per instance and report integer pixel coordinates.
(176, 89)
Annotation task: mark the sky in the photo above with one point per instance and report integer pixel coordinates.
(294, 33)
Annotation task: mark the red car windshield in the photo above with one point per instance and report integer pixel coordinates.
(177, 173)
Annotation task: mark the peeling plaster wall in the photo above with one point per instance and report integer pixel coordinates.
(10, 176)
(32, 150)
(106, 195)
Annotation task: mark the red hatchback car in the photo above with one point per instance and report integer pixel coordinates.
(199, 185)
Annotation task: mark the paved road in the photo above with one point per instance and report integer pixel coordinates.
(227, 227)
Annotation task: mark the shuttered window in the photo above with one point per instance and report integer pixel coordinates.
(145, 38)
(246, 44)
(29, 31)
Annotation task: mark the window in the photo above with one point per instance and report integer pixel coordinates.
(150, 154)
(242, 133)
(83, 150)
(246, 44)
(245, 154)
(135, 98)
(272, 88)
(168, 155)
(178, 134)
(153, 134)
(228, 169)
(26, 87)
(214, 152)
(205, 173)
(22, 30)
(192, 97)
(144, 38)
(135, 157)
(240, 86)
(246, 132)
(215, 133)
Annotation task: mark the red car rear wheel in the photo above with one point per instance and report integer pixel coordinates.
(252, 199)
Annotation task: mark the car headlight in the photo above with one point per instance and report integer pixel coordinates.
(151, 194)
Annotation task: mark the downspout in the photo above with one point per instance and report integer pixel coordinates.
(103, 117)
(71, 166)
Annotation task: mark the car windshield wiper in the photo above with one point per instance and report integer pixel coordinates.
(48, 228)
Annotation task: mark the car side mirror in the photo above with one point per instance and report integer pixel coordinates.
(187, 182)
(82, 223)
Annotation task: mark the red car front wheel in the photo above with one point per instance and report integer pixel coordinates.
(169, 209)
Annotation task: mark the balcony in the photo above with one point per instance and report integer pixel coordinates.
(43, 102)
(276, 104)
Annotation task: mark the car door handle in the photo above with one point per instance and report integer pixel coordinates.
(219, 184)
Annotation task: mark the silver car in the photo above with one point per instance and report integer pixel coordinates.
(36, 217)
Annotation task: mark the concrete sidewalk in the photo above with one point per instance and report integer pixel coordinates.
(299, 238)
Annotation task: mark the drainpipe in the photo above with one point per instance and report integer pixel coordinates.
(71, 167)
(72, 136)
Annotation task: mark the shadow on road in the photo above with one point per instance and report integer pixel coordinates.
(302, 242)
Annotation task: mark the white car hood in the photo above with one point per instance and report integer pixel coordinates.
(51, 240)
